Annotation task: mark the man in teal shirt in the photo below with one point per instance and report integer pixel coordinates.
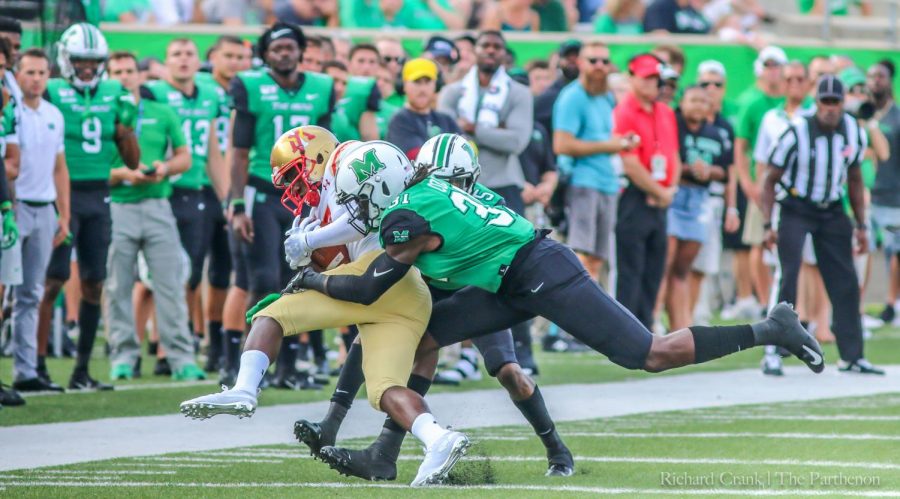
(143, 222)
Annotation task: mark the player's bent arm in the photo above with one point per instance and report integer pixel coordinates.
(127, 144)
(180, 161)
(216, 168)
(366, 289)
(336, 233)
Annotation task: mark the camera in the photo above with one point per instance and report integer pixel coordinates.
(861, 109)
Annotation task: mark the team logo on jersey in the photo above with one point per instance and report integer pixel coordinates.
(366, 167)
(401, 236)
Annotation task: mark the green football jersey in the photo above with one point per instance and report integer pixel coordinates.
(383, 118)
(277, 111)
(479, 241)
(224, 118)
(360, 95)
(198, 114)
(158, 130)
(91, 118)
(486, 195)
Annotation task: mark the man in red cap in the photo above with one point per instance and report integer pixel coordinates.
(653, 168)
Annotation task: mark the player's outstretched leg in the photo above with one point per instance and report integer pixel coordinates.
(699, 344)
(261, 347)
(323, 433)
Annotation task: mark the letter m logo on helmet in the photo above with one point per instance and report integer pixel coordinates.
(366, 167)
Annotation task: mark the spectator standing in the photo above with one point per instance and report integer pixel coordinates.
(583, 130)
(540, 76)
(143, 222)
(677, 17)
(620, 17)
(704, 157)
(39, 131)
(753, 104)
(886, 191)
(498, 114)
(809, 202)
(653, 169)
(712, 78)
(417, 122)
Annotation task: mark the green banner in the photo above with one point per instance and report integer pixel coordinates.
(738, 59)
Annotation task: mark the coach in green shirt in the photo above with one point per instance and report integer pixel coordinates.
(142, 221)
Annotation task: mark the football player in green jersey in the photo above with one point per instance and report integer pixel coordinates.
(268, 102)
(510, 273)
(198, 193)
(99, 116)
(229, 56)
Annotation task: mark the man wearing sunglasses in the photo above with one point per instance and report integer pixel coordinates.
(810, 163)
(583, 129)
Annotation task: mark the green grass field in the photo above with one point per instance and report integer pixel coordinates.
(834, 448)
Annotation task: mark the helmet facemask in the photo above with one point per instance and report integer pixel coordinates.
(364, 215)
(299, 189)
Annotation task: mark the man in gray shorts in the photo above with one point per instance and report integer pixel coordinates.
(582, 129)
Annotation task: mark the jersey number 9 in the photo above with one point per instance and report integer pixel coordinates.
(92, 131)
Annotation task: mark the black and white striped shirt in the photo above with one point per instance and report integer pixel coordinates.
(815, 162)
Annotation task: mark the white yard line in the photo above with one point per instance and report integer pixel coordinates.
(681, 436)
(538, 488)
(66, 443)
(126, 388)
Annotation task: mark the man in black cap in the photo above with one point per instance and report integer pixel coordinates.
(568, 72)
(443, 52)
(810, 163)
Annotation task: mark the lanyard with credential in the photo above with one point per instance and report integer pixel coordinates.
(138, 124)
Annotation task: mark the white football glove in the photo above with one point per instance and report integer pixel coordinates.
(296, 250)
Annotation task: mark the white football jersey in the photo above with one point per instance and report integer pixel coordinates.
(329, 210)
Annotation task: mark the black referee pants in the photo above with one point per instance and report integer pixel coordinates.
(832, 235)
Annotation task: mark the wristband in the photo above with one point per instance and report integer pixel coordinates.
(237, 206)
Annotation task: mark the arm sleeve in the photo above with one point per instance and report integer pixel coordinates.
(244, 121)
(382, 273)
(400, 226)
(336, 233)
(515, 137)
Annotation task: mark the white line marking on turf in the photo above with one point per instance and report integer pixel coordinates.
(211, 460)
(164, 465)
(563, 488)
(100, 472)
(777, 417)
(803, 436)
(125, 388)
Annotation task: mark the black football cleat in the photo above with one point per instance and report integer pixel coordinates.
(162, 367)
(10, 397)
(83, 381)
(560, 463)
(36, 385)
(368, 464)
(311, 434)
(860, 366)
(794, 337)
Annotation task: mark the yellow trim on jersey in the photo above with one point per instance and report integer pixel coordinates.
(389, 329)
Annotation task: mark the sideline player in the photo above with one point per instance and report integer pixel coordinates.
(100, 116)
(390, 329)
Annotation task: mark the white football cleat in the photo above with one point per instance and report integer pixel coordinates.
(235, 402)
(441, 458)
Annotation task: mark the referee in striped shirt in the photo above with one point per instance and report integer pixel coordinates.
(810, 163)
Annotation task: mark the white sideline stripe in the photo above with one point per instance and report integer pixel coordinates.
(804, 436)
(97, 472)
(125, 388)
(775, 417)
(624, 459)
(165, 465)
(210, 460)
(563, 488)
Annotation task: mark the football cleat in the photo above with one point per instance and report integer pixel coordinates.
(311, 434)
(82, 381)
(796, 338)
(860, 366)
(559, 470)
(559, 459)
(234, 402)
(367, 464)
(440, 459)
(771, 365)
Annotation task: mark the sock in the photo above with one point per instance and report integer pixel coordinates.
(389, 443)
(714, 342)
(232, 346)
(350, 379)
(317, 344)
(427, 430)
(214, 331)
(42, 364)
(88, 320)
(535, 411)
(152, 348)
(418, 384)
(287, 357)
(253, 366)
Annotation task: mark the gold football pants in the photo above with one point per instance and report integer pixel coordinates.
(389, 329)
